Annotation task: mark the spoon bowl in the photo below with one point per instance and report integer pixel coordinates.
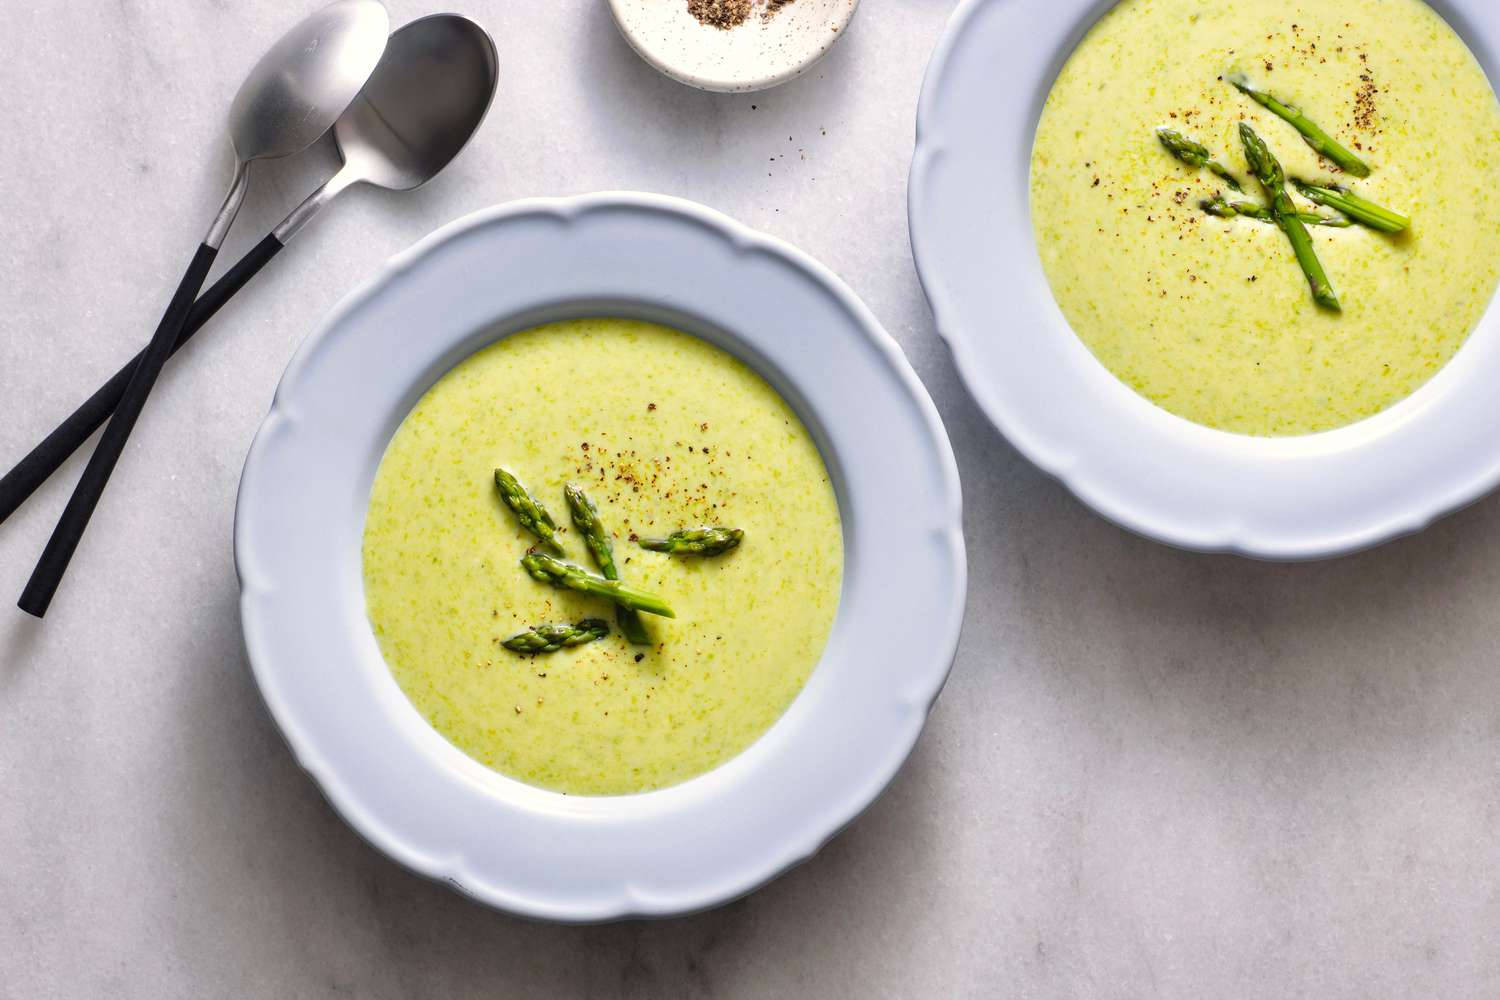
(307, 79)
(426, 99)
(298, 89)
(422, 104)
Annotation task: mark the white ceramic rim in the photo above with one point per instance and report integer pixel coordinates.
(662, 63)
(1162, 476)
(410, 793)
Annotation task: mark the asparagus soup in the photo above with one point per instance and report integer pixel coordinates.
(1270, 216)
(602, 556)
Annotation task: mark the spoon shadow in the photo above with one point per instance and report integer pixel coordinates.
(317, 873)
(19, 635)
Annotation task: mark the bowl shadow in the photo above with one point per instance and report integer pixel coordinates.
(336, 911)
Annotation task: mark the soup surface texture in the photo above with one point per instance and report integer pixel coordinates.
(663, 431)
(1211, 318)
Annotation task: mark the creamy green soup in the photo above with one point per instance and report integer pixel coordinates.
(1211, 318)
(664, 431)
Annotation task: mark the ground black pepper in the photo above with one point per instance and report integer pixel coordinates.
(723, 14)
(726, 14)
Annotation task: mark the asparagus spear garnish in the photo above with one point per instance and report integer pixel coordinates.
(1260, 213)
(529, 511)
(1352, 205)
(1323, 143)
(569, 577)
(1267, 170)
(586, 520)
(1195, 155)
(551, 638)
(696, 541)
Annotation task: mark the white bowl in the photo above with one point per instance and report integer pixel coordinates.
(757, 54)
(1147, 470)
(412, 794)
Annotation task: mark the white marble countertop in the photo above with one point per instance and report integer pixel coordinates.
(1152, 774)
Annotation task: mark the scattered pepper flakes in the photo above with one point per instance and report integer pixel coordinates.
(773, 7)
(1364, 103)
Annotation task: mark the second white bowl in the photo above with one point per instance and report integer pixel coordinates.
(1138, 465)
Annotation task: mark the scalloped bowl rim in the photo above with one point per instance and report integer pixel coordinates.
(395, 798)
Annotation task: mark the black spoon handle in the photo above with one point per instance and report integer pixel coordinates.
(75, 517)
(48, 456)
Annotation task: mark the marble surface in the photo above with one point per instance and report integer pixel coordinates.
(1153, 774)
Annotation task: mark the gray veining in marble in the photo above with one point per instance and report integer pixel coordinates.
(1152, 775)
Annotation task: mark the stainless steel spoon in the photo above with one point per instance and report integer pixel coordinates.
(292, 96)
(424, 101)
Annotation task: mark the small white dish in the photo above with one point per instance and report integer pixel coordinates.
(1154, 473)
(301, 513)
(761, 52)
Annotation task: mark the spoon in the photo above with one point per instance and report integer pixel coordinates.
(291, 98)
(424, 101)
